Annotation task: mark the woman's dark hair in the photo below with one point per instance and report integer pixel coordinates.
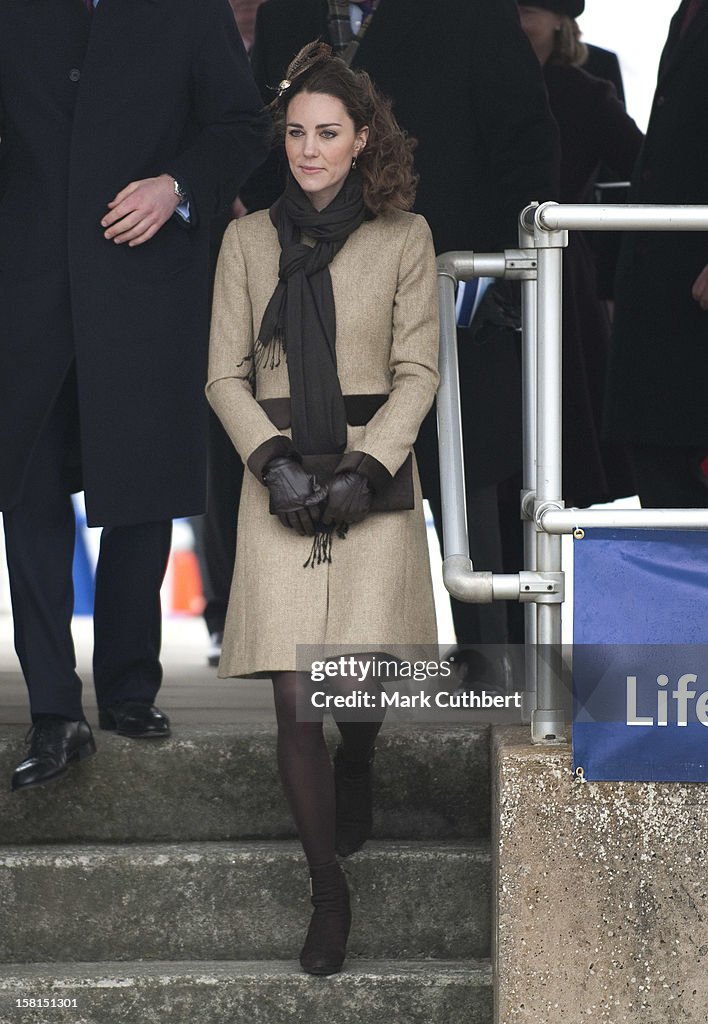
(386, 162)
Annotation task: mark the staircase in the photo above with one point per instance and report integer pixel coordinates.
(161, 882)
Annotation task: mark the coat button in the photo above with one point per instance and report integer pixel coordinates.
(74, 75)
(660, 101)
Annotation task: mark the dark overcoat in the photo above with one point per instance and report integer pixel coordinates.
(658, 378)
(466, 84)
(87, 105)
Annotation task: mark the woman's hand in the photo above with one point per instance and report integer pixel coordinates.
(295, 496)
(349, 498)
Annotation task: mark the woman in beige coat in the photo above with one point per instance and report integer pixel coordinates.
(323, 363)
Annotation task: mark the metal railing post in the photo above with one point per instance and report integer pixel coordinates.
(459, 575)
(452, 471)
(548, 720)
(529, 317)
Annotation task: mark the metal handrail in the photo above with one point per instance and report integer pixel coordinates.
(543, 234)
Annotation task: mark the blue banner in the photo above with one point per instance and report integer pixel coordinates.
(640, 655)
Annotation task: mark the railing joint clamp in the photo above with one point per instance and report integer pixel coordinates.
(542, 587)
(541, 507)
(520, 264)
(544, 237)
(528, 501)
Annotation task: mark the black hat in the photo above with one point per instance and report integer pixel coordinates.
(573, 8)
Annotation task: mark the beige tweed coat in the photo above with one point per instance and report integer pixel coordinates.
(376, 593)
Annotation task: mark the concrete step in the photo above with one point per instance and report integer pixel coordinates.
(220, 782)
(250, 993)
(220, 901)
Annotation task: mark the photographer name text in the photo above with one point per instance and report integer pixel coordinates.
(442, 699)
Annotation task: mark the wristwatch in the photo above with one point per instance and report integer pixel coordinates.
(179, 191)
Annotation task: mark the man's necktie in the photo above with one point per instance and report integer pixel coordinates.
(88, 4)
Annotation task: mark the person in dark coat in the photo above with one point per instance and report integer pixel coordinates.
(465, 84)
(594, 128)
(658, 378)
(112, 116)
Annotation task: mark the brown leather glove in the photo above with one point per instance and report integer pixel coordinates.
(348, 499)
(295, 496)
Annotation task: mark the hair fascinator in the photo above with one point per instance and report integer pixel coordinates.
(311, 56)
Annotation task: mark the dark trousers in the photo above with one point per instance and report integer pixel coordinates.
(39, 540)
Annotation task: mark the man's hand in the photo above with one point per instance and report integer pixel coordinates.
(140, 209)
(700, 288)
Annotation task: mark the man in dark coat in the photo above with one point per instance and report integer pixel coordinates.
(658, 378)
(467, 86)
(123, 127)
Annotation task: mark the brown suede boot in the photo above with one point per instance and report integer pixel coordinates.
(326, 940)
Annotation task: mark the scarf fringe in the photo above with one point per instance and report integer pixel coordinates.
(264, 357)
(270, 355)
(321, 550)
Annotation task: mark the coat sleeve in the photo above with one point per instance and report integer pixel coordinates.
(228, 387)
(230, 140)
(413, 362)
(518, 129)
(618, 137)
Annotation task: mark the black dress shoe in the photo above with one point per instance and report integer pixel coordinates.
(133, 719)
(54, 744)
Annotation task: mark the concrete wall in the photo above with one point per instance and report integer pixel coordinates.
(602, 909)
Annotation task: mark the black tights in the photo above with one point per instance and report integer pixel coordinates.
(304, 762)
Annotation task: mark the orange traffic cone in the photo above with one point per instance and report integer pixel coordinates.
(187, 595)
